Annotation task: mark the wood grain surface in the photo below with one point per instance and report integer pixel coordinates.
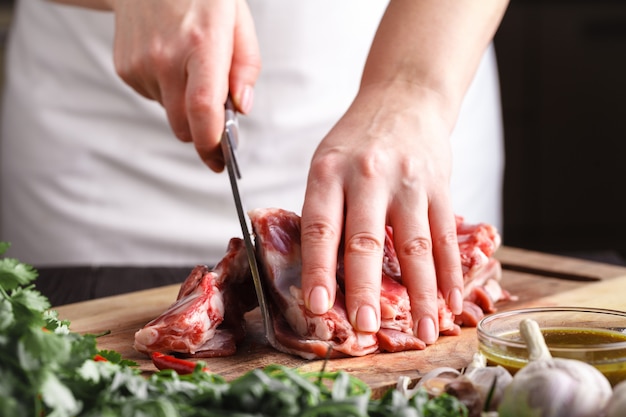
(536, 279)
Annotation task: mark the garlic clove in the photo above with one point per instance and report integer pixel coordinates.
(437, 385)
(433, 382)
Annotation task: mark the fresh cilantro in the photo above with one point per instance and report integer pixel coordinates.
(4, 246)
(13, 273)
(7, 317)
(116, 357)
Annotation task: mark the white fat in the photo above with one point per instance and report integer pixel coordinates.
(217, 302)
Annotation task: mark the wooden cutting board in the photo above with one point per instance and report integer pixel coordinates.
(609, 294)
(536, 279)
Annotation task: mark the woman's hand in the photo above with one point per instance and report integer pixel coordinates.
(187, 55)
(387, 161)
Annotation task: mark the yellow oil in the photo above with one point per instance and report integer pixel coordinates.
(561, 342)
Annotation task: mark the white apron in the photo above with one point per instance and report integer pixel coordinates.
(92, 174)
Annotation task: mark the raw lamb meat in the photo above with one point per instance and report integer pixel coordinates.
(197, 323)
(207, 318)
(300, 332)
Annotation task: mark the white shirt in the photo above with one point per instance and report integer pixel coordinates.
(92, 174)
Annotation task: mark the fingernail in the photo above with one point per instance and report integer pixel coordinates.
(455, 301)
(246, 99)
(366, 320)
(426, 331)
(319, 301)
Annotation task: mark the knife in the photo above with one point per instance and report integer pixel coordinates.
(229, 143)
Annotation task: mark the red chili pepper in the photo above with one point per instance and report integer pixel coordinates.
(99, 358)
(181, 366)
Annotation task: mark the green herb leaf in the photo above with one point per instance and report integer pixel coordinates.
(116, 357)
(31, 299)
(13, 273)
(7, 318)
(4, 246)
(58, 397)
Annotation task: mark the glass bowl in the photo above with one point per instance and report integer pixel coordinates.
(593, 335)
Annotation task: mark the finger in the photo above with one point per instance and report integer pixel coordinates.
(204, 103)
(206, 93)
(363, 256)
(173, 100)
(321, 226)
(246, 63)
(364, 236)
(446, 253)
(413, 244)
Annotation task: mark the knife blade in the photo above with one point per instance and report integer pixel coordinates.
(229, 143)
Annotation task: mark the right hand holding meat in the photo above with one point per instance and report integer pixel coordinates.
(186, 55)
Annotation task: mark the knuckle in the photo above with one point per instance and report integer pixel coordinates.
(156, 55)
(419, 246)
(448, 238)
(373, 163)
(196, 36)
(362, 293)
(364, 243)
(318, 231)
(423, 299)
(408, 167)
(251, 62)
(325, 163)
(198, 101)
(317, 273)
(453, 273)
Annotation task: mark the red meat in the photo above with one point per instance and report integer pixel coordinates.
(207, 319)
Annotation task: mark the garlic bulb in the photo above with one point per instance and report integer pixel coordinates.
(489, 381)
(553, 387)
(616, 406)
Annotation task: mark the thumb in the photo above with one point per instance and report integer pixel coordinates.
(246, 62)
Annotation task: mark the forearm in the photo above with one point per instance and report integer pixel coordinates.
(89, 4)
(432, 44)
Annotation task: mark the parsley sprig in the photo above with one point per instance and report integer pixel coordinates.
(47, 370)
(37, 350)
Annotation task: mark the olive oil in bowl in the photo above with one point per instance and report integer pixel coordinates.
(595, 336)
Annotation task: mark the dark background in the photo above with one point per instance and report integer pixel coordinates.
(563, 80)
